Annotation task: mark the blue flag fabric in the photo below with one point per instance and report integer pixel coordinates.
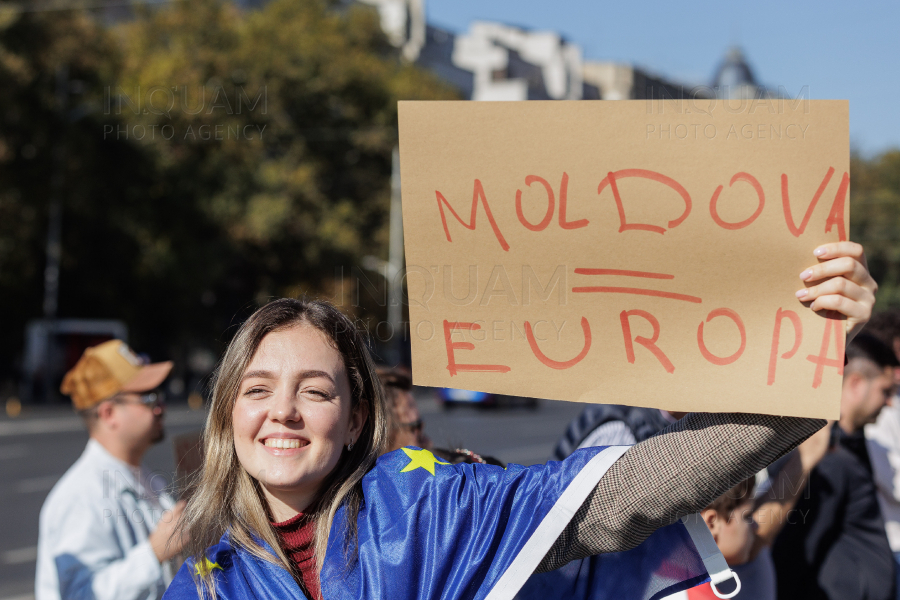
(428, 529)
(664, 564)
(238, 575)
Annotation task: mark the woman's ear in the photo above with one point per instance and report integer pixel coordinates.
(713, 522)
(358, 418)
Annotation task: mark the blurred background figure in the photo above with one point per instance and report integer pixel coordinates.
(883, 441)
(730, 520)
(462, 455)
(836, 547)
(744, 521)
(106, 529)
(405, 427)
(612, 425)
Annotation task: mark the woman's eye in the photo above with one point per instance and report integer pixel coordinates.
(254, 391)
(318, 393)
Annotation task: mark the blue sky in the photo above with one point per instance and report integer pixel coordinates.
(839, 50)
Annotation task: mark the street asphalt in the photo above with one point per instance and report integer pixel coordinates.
(37, 447)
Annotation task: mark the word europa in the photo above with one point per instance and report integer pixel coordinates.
(835, 215)
(821, 360)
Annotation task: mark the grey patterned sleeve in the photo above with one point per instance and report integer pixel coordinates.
(675, 473)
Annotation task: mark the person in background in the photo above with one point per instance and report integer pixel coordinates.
(106, 527)
(612, 425)
(883, 442)
(405, 426)
(837, 548)
(615, 425)
(745, 520)
(730, 520)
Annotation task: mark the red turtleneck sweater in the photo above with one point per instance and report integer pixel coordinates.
(297, 535)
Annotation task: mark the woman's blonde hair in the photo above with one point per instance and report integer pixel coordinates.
(228, 498)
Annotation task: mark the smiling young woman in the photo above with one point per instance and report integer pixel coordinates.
(294, 483)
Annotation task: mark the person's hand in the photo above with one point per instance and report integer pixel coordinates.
(168, 540)
(815, 448)
(841, 283)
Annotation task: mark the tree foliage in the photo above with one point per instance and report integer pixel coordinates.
(212, 159)
(875, 220)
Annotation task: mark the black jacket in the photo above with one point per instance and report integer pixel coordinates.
(834, 545)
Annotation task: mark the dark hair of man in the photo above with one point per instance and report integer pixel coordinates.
(866, 351)
(733, 498)
(396, 381)
(885, 326)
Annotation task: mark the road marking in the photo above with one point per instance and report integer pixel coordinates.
(36, 484)
(32, 426)
(20, 556)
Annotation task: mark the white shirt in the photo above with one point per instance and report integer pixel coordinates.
(611, 433)
(94, 526)
(883, 443)
(615, 433)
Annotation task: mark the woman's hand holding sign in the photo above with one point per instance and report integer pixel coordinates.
(842, 284)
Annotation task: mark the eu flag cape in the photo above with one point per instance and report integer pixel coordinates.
(432, 530)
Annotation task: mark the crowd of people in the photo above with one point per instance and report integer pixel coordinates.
(318, 481)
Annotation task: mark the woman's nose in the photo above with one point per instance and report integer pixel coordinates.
(285, 407)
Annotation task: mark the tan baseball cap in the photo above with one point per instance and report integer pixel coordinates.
(105, 370)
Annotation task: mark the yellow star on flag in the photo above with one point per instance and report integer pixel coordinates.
(206, 567)
(421, 458)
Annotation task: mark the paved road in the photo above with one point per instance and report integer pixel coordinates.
(36, 449)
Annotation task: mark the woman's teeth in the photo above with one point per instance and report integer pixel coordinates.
(281, 443)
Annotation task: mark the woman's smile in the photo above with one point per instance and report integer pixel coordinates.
(280, 446)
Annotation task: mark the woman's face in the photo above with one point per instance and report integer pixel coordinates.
(292, 417)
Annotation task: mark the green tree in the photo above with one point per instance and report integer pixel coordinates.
(281, 125)
(214, 158)
(875, 220)
(53, 66)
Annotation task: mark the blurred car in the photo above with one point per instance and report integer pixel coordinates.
(452, 397)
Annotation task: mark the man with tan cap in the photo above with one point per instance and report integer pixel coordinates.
(106, 529)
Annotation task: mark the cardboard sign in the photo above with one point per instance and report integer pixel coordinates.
(639, 252)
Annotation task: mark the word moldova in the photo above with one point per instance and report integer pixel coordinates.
(832, 327)
(610, 182)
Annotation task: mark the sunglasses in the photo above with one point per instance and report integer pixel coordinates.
(151, 400)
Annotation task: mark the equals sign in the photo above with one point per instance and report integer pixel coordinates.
(630, 290)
